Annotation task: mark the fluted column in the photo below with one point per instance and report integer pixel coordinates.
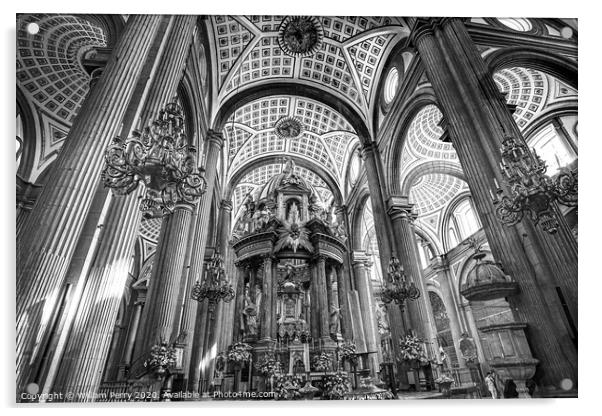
(48, 239)
(366, 295)
(322, 299)
(444, 279)
(225, 311)
(220, 316)
(132, 331)
(420, 310)
(545, 266)
(170, 66)
(87, 349)
(239, 302)
(194, 342)
(121, 231)
(266, 300)
(314, 299)
(342, 291)
(383, 226)
(161, 304)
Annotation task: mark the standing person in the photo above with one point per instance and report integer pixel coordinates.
(491, 385)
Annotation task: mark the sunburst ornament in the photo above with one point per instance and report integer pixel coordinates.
(300, 35)
(288, 127)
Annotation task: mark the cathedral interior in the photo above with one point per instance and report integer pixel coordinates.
(284, 207)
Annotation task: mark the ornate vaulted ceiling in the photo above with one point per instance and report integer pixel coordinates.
(51, 76)
(430, 167)
(342, 55)
(315, 133)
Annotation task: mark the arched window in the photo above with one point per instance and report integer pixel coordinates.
(19, 142)
(425, 251)
(554, 145)
(520, 25)
(463, 222)
(391, 84)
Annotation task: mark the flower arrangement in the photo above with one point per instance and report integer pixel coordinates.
(336, 386)
(287, 387)
(347, 352)
(268, 366)
(321, 362)
(411, 348)
(443, 378)
(239, 353)
(162, 356)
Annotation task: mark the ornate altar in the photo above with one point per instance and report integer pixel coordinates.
(289, 247)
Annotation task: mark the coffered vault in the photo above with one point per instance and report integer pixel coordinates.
(350, 52)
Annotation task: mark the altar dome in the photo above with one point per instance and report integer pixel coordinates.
(288, 174)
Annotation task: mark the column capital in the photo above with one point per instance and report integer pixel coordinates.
(399, 207)
(184, 206)
(320, 258)
(267, 259)
(368, 149)
(423, 26)
(341, 209)
(360, 258)
(440, 263)
(215, 138)
(226, 205)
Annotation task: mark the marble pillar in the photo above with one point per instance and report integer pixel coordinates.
(384, 236)
(132, 331)
(361, 266)
(48, 239)
(420, 310)
(190, 311)
(322, 300)
(225, 311)
(267, 315)
(160, 312)
(441, 267)
(342, 290)
(543, 265)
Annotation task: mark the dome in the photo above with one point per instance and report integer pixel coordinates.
(486, 280)
(288, 176)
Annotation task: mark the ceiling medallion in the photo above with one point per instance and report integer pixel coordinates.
(288, 127)
(300, 35)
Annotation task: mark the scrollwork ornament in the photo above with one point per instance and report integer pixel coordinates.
(530, 189)
(161, 158)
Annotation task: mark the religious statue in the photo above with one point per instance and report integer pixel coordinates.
(249, 316)
(293, 213)
(239, 230)
(289, 167)
(290, 177)
(334, 320)
(247, 216)
(382, 320)
(468, 349)
(262, 217)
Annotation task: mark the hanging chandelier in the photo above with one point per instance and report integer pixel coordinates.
(215, 287)
(161, 158)
(397, 287)
(531, 190)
